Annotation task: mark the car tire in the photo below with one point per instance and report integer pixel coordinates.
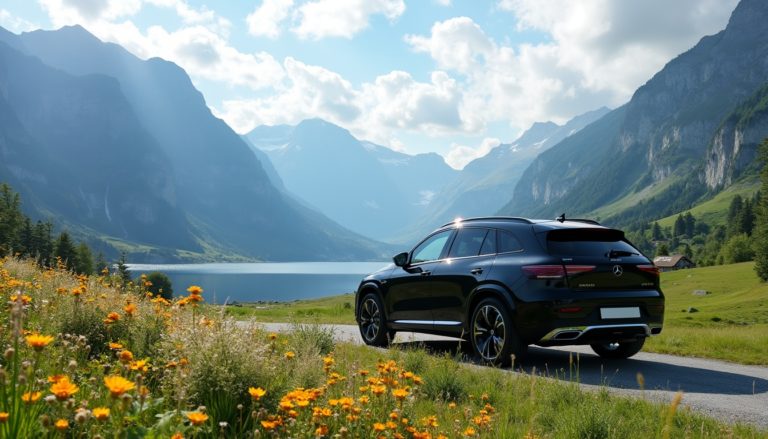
(618, 350)
(492, 334)
(371, 321)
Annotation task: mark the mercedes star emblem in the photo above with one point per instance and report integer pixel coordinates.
(617, 270)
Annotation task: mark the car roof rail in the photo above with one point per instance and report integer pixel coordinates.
(490, 218)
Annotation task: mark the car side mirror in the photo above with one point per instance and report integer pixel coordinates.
(401, 259)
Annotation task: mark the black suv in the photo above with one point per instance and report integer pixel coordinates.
(504, 283)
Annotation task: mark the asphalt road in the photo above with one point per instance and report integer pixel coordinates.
(727, 391)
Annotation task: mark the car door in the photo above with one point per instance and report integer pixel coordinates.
(469, 260)
(410, 290)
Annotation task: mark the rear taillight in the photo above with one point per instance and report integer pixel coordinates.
(652, 269)
(544, 271)
(578, 269)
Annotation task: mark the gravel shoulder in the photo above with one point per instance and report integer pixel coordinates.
(727, 391)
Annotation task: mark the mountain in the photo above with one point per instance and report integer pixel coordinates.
(137, 134)
(679, 140)
(365, 187)
(486, 183)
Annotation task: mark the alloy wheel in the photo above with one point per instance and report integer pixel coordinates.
(489, 332)
(370, 319)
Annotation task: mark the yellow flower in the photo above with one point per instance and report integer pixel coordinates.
(4, 417)
(256, 393)
(115, 346)
(140, 365)
(195, 290)
(400, 394)
(379, 427)
(118, 385)
(197, 418)
(61, 424)
(289, 355)
(31, 397)
(378, 389)
(63, 389)
(272, 336)
(469, 431)
(269, 425)
(25, 300)
(177, 435)
(322, 430)
(55, 378)
(101, 413)
(38, 342)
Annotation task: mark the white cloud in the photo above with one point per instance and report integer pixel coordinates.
(443, 2)
(63, 12)
(460, 155)
(319, 19)
(456, 43)
(266, 19)
(14, 23)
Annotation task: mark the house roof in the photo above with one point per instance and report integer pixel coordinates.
(669, 261)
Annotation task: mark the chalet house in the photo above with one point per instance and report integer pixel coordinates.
(673, 262)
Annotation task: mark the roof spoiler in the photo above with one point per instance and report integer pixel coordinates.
(562, 219)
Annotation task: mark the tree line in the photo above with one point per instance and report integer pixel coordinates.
(21, 237)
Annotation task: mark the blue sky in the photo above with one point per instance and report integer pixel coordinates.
(450, 76)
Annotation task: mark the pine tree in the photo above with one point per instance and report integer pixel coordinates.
(66, 251)
(662, 250)
(656, 234)
(747, 219)
(679, 226)
(734, 214)
(122, 270)
(760, 236)
(10, 218)
(84, 263)
(690, 225)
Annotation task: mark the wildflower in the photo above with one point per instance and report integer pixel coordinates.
(38, 342)
(194, 290)
(197, 418)
(171, 364)
(112, 318)
(272, 336)
(379, 427)
(77, 291)
(63, 389)
(125, 356)
(61, 424)
(55, 378)
(23, 298)
(430, 421)
(378, 389)
(469, 431)
(256, 393)
(4, 417)
(289, 355)
(31, 397)
(269, 425)
(451, 405)
(130, 309)
(400, 394)
(118, 385)
(322, 430)
(101, 413)
(140, 365)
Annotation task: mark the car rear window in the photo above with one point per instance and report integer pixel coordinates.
(589, 242)
(467, 243)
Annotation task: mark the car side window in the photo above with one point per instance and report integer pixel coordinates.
(431, 248)
(508, 243)
(489, 245)
(468, 242)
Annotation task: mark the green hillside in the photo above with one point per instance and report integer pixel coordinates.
(731, 323)
(714, 210)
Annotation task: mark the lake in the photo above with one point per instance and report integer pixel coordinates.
(268, 281)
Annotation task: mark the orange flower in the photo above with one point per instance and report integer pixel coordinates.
(63, 389)
(25, 300)
(469, 431)
(140, 365)
(125, 356)
(379, 427)
(118, 385)
(4, 417)
(289, 355)
(101, 413)
(130, 309)
(177, 435)
(322, 430)
(195, 290)
(112, 318)
(256, 393)
(61, 424)
(115, 346)
(378, 389)
(269, 425)
(400, 394)
(38, 342)
(31, 397)
(197, 418)
(272, 336)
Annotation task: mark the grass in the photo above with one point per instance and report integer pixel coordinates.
(731, 323)
(333, 309)
(714, 211)
(86, 357)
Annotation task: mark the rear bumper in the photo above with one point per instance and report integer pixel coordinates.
(599, 333)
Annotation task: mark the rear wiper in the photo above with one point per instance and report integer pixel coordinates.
(618, 253)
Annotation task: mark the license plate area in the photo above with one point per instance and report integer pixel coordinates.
(630, 312)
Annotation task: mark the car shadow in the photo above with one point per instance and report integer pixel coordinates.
(622, 374)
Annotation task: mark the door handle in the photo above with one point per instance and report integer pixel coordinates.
(426, 273)
(476, 270)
